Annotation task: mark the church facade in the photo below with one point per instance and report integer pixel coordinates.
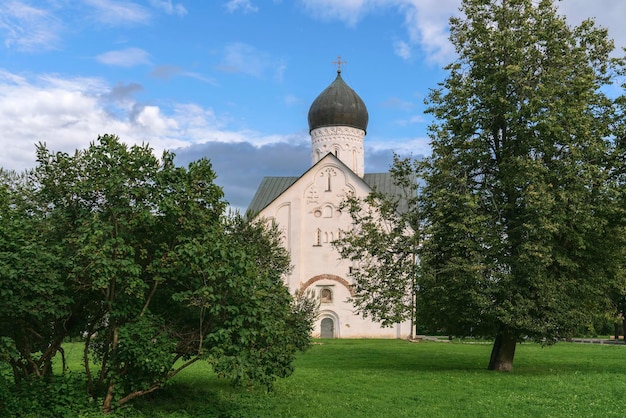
(308, 211)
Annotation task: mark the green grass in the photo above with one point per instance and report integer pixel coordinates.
(394, 378)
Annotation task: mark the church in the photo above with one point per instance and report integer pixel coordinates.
(308, 211)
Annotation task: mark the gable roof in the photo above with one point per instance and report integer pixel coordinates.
(381, 182)
(272, 187)
(269, 189)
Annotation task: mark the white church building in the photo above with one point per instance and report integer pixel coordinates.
(307, 211)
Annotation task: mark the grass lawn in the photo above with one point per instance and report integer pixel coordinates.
(394, 378)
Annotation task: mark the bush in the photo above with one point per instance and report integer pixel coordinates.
(60, 397)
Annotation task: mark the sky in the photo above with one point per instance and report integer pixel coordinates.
(229, 80)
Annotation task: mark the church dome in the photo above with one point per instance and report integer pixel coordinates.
(338, 105)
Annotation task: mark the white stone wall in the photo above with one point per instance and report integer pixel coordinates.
(344, 142)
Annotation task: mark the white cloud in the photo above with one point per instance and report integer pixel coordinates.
(607, 13)
(151, 121)
(246, 59)
(402, 49)
(166, 72)
(404, 146)
(13, 79)
(411, 120)
(128, 57)
(115, 13)
(52, 114)
(168, 7)
(348, 11)
(396, 103)
(29, 28)
(68, 114)
(245, 6)
(292, 100)
(427, 25)
(426, 21)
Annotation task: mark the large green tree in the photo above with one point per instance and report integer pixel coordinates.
(149, 267)
(524, 229)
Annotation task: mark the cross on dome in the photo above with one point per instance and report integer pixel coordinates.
(338, 63)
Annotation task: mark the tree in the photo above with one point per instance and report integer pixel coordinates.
(37, 302)
(156, 275)
(383, 244)
(524, 230)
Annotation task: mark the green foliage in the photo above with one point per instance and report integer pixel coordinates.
(525, 230)
(304, 312)
(138, 256)
(142, 356)
(271, 326)
(62, 396)
(36, 308)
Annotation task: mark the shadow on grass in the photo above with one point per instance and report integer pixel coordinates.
(202, 397)
(395, 356)
(403, 356)
(426, 373)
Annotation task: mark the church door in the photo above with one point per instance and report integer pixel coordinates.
(328, 328)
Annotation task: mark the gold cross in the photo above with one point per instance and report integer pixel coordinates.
(339, 62)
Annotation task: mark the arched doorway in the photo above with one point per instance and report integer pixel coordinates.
(327, 328)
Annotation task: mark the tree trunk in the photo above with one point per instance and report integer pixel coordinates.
(503, 353)
(107, 405)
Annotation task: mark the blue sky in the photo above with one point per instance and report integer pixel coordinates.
(230, 80)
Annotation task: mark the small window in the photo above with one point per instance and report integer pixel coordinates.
(318, 238)
(328, 173)
(326, 296)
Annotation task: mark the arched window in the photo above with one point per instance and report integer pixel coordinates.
(328, 173)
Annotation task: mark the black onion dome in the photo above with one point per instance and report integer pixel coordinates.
(338, 105)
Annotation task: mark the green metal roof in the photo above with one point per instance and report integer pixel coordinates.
(272, 187)
(381, 182)
(269, 189)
